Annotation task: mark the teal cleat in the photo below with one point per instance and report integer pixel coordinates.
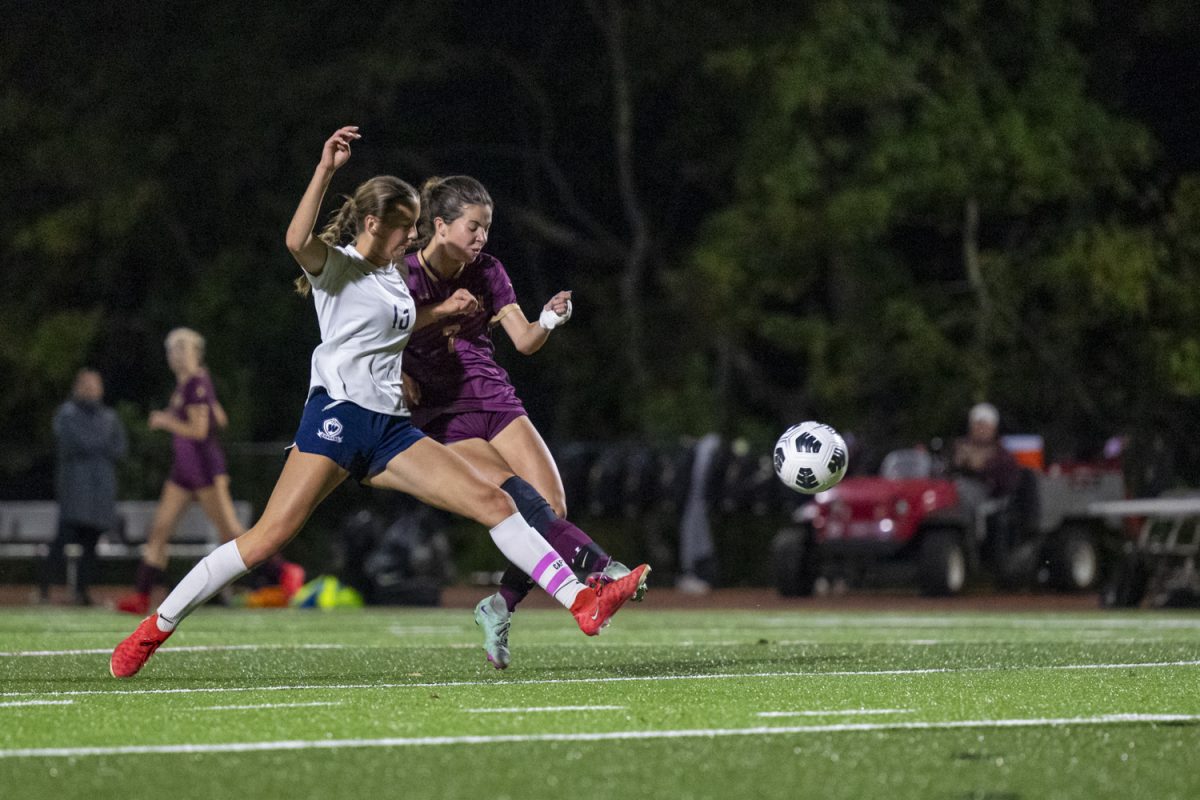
(614, 572)
(494, 617)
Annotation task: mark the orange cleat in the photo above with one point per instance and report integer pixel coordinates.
(134, 603)
(267, 597)
(595, 605)
(133, 653)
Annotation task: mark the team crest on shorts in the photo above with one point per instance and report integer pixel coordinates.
(331, 430)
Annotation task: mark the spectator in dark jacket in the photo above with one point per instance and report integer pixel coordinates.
(91, 440)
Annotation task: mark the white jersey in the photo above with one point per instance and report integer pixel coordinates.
(366, 315)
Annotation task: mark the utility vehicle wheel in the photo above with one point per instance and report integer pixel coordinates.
(1126, 586)
(943, 565)
(1074, 561)
(794, 563)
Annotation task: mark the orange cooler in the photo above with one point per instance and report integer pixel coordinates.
(1027, 448)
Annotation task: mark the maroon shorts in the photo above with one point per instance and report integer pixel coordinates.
(455, 427)
(197, 465)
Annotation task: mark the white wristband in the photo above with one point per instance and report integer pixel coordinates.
(551, 320)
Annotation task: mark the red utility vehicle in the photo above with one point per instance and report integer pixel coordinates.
(914, 522)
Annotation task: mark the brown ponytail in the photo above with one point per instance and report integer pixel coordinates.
(446, 198)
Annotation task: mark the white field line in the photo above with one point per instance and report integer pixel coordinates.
(197, 648)
(696, 733)
(541, 708)
(94, 651)
(409, 630)
(262, 705)
(592, 645)
(800, 643)
(15, 703)
(610, 679)
(978, 621)
(1104, 638)
(559, 645)
(835, 712)
(753, 641)
(622, 645)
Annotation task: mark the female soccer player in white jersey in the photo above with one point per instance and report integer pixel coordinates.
(355, 422)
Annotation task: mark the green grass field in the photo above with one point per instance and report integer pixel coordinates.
(665, 704)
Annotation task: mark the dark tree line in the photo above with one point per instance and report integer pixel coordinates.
(872, 213)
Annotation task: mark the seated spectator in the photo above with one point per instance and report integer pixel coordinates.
(980, 456)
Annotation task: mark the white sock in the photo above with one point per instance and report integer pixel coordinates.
(221, 566)
(534, 556)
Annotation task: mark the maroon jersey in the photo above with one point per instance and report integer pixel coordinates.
(197, 461)
(454, 361)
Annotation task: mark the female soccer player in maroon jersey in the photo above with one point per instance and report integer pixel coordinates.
(463, 398)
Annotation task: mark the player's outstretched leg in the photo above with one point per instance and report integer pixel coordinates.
(211, 573)
(582, 552)
(596, 604)
(493, 616)
(576, 547)
(592, 606)
(306, 480)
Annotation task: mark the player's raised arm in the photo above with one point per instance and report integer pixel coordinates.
(308, 250)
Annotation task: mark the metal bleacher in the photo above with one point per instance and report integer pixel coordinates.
(28, 527)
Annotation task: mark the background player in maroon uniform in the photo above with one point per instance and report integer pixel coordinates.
(198, 470)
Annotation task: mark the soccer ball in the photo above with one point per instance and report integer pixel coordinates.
(810, 457)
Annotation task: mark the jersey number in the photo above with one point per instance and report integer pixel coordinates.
(400, 321)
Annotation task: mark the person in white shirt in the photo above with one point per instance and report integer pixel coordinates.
(355, 423)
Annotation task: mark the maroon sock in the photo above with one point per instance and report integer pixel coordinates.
(576, 546)
(514, 586)
(147, 576)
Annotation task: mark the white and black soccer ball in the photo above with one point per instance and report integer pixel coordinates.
(810, 457)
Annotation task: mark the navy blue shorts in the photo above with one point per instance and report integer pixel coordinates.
(360, 441)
